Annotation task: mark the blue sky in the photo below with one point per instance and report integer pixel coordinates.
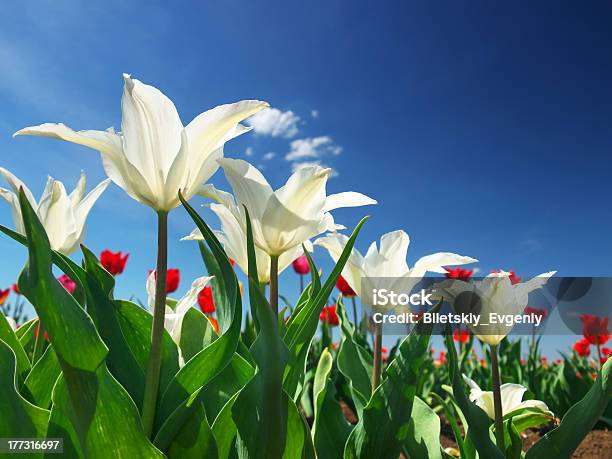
(481, 129)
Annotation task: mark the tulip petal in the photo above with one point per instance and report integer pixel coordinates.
(208, 131)
(152, 131)
(82, 209)
(13, 201)
(16, 185)
(347, 199)
(58, 220)
(304, 193)
(222, 197)
(249, 185)
(511, 396)
(79, 191)
(436, 262)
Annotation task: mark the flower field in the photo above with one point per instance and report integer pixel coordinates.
(228, 370)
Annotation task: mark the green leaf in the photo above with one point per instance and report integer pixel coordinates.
(98, 285)
(423, 431)
(194, 329)
(136, 324)
(578, 421)
(224, 430)
(41, 380)
(477, 420)
(298, 444)
(330, 430)
(195, 439)
(96, 401)
(302, 325)
(354, 362)
(391, 405)
(515, 446)
(211, 360)
(10, 339)
(19, 419)
(260, 403)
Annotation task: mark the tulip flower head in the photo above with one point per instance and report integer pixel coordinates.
(114, 263)
(459, 273)
(605, 353)
(233, 238)
(511, 398)
(284, 219)
(300, 265)
(205, 300)
(62, 215)
(344, 287)
(4, 294)
(495, 294)
(154, 156)
(582, 347)
(386, 267)
(15, 288)
(595, 329)
(173, 278)
(67, 283)
(329, 315)
(461, 335)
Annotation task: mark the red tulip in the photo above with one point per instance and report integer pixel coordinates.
(173, 277)
(459, 273)
(232, 262)
(384, 351)
(300, 265)
(329, 312)
(542, 313)
(595, 329)
(344, 287)
(114, 263)
(205, 300)
(4, 295)
(582, 347)
(67, 283)
(461, 335)
(15, 288)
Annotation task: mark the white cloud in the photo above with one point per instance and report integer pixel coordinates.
(314, 113)
(312, 147)
(268, 156)
(275, 123)
(249, 151)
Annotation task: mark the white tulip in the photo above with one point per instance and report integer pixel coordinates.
(511, 399)
(386, 268)
(496, 295)
(173, 319)
(63, 216)
(233, 238)
(283, 219)
(155, 156)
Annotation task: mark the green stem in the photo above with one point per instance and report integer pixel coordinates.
(274, 283)
(355, 313)
(157, 331)
(377, 368)
(497, 404)
(301, 284)
(599, 353)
